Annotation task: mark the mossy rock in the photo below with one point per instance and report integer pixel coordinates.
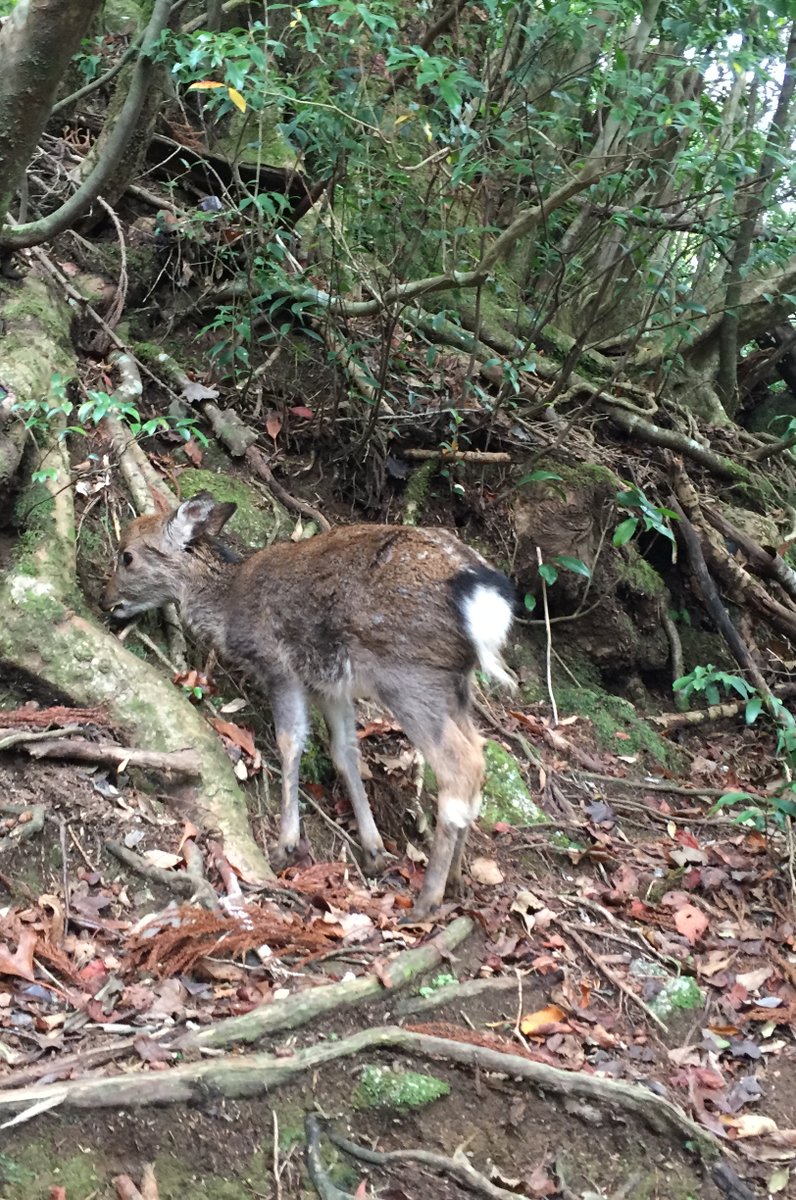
(679, 993)
(123, 16)
(611, 716)
(381, 1087)
(505, 795)
(259, 521)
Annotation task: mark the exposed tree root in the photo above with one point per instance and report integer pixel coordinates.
(29, 823)
(326, 1189)
(259, 1074)
(44, 632)
(181, 883)
(300, 1010)
(768, 564)
(455, 993)
(714, 605)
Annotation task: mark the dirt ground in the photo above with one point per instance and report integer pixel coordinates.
(727, 1056)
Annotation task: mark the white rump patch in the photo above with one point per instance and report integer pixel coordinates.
(487, 617)
(455, 812)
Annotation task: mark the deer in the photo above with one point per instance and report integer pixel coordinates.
(398, 614)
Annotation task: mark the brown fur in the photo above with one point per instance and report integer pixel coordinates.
(367, 610)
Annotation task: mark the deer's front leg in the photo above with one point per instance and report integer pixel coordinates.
(289, 706)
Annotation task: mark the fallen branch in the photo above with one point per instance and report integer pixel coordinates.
(466, 456)
(24, 737)
(259, 1074)
(177, 762)
(714, 605)
(714, 712)
(296, 1011)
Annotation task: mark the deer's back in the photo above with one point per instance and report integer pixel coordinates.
(352, 602)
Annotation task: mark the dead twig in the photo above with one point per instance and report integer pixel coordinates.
(548, 660)
(465, 456)
(457, 1166)
(256, 460)
(609, 973)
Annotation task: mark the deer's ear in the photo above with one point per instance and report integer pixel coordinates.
(202, 514)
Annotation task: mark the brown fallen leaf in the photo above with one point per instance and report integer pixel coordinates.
(533, 1022)
(486, 870)
(691, 922)
(236, 734)
(20, 963)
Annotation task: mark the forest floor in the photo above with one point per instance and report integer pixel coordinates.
(640, 937)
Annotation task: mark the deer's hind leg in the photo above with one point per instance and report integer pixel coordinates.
(432, 716)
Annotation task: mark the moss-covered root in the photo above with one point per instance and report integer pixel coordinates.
(42, 635)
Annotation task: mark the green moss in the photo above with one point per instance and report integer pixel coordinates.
(316, 766)
(506, 795)
(584, 474)
(634, 571)
(610, 715)
(381, 1087)
(122, 16)
(32, 305)
(417, 490)
(702, 646)
(679, 992)
(252, 523)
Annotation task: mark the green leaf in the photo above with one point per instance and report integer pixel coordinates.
(529, 601)
(753, 709)
(548, 573)
(730, 798)
(537, 477)
(624, 531)
(573, 564)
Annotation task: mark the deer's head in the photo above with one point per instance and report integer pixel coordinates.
(160, 557)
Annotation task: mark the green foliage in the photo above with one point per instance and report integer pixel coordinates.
(710, 680)
(651, 517)
(39, 412)
(749, 809)
(548, 571)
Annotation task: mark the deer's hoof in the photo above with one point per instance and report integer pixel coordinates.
(374, 862)
(284, 856)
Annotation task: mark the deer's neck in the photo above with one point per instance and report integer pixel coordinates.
(204, 597)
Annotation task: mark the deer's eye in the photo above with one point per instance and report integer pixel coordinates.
(126, 558)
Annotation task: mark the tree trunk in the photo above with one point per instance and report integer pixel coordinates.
(36, 44)
(729, 341)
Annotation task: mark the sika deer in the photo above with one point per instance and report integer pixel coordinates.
(396, 613)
